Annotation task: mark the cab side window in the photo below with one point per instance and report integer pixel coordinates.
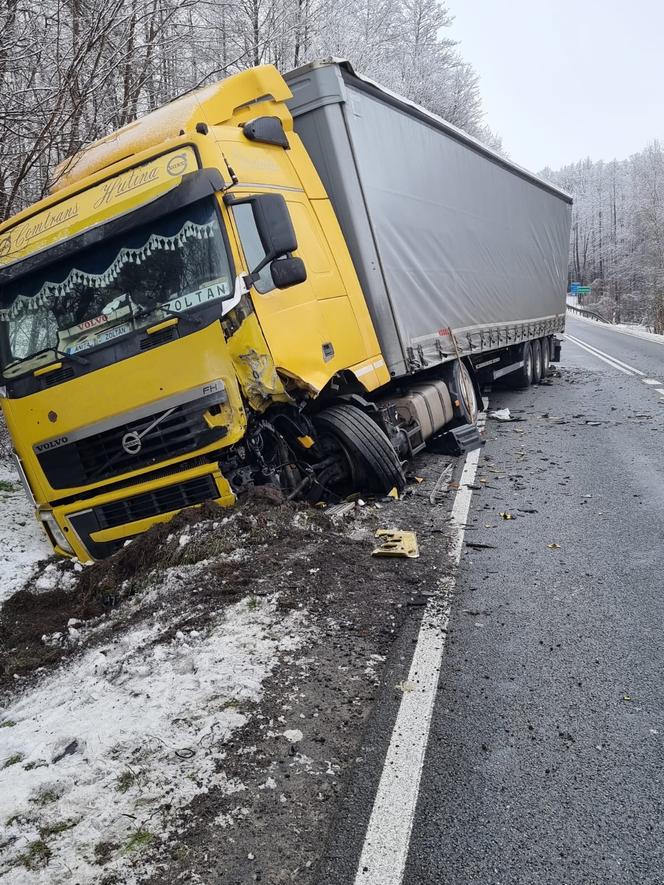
(252, 246)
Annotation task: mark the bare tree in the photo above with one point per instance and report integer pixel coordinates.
(74, 70)
(617, 244)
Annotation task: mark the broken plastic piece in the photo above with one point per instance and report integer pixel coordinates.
(396, 543)
(444, 477)
(305, 441)
(338, 511)
(501, 415)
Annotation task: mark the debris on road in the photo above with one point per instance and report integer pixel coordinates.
(444, 478)
(504, 415)
(405, 686)
(395, 542)
(337, 511)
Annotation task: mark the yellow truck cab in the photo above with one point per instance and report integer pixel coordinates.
(182, 319)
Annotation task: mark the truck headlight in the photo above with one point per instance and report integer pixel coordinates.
(54, 532)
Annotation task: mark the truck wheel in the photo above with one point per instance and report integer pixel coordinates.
(464, 391)
(546, 356)
(373, 462)
(523, 377)
(537, 361)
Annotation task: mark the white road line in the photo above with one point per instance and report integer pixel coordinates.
(607, 355)
(659, 390)
(387, 839)
(651, 381)
(611, 361)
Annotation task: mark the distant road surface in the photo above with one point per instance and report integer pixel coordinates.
(545, 757)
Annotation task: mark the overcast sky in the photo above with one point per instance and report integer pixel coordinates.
(566, 79)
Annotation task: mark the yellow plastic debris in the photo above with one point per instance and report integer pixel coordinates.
(305, 441)
(393, 493)
(396, 543)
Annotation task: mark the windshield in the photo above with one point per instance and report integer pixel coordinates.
(106, 291)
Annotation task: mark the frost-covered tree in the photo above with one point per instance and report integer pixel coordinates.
(617, 243)
(73, 70)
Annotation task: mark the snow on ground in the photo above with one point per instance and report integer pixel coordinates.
(634, 329)
(100, 755)
(22, 539)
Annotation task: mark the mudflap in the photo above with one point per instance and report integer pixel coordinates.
(457, 441)
(557, 344)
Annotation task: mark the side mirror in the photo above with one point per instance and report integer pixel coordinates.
(273, 223)
(288, 272)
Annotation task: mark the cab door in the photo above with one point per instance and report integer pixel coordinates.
(311, 328)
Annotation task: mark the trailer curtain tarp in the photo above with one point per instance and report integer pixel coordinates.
(461, 238)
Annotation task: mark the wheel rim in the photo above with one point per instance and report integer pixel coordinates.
(468, 394)
(367, 457)
(529, 367)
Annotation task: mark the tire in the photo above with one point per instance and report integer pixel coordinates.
(546, 356)
(374, 462)
(537, 361)
(523, 377)
(465, 392)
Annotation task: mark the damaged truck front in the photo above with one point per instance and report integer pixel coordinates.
(182, 319)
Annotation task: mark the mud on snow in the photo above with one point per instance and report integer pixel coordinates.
(191, 708)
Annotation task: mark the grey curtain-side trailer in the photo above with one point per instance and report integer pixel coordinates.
(445, 234)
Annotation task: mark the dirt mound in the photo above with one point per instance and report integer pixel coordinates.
(229, 553)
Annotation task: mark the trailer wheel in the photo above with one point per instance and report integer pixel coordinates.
(464, 391)
(537, 361)
(523, 377)
(546, 356)
(372, 461)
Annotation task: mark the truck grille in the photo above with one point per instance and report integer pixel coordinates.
(157, 339)
(58, 377)
(102, 455)
(193, 491)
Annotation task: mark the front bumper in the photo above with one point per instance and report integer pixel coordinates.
(98, 526)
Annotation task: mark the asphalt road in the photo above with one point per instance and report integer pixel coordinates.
(546, 755)
(545, 761)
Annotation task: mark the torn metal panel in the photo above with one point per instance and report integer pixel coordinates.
(254, 366)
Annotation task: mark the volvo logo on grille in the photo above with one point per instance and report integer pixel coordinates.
(131, 443)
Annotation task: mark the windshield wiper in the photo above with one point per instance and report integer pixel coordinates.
(59, 354)
(74, 357)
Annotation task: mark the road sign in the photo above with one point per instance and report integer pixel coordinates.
(583, 290)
